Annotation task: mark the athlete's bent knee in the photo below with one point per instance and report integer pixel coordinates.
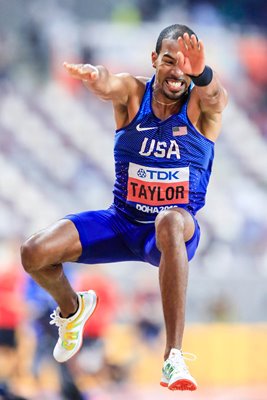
(168, 220)
(168, 225)
(31, 255)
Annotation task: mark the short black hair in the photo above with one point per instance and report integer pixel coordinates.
(172, 32)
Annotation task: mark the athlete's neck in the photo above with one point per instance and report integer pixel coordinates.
(164, 109)
(163, 103)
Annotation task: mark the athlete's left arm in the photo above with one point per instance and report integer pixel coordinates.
(208, 97)
(205, 107)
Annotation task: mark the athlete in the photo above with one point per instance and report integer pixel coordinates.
(164, 146)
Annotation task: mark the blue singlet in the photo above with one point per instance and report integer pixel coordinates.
(159, 165)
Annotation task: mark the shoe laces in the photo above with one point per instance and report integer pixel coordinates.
(178, 361)
(189, 356)
(59, 322)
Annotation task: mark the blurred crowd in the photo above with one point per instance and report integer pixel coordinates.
(34, 43)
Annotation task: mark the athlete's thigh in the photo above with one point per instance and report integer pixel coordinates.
(101, 235)
(58, 243)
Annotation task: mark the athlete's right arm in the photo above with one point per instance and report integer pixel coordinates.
(117, 88)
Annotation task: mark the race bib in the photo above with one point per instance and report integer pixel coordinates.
(158, 186)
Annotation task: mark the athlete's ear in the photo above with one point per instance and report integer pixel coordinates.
(154, 57)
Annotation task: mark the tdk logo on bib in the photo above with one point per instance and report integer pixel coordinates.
(157, 186)
(162, 175)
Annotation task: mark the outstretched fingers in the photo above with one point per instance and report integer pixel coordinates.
(201, 46)
(182, 44)
(188, 43)
(191, 57)
(194, 42)
(82, 71)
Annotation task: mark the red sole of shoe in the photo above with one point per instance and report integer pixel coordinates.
(183, 384)
(163, 384)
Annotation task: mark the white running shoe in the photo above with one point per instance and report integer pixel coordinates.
(175, 374)
(70, 330)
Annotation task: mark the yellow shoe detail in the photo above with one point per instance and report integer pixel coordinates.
(76, 322)
(68, 346)
(71, 336)
(70, 330)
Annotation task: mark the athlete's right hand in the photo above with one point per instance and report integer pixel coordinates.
(85, 72)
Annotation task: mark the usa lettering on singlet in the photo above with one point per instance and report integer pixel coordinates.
(160, 164)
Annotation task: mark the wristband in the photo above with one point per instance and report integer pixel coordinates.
(204, 78)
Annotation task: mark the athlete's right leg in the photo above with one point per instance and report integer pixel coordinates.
(90, 237)
(42, 256)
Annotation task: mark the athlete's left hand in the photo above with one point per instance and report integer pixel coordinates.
(87, 72)
(190, 57)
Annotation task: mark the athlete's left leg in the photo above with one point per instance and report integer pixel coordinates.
(175, 231)
(173, 228)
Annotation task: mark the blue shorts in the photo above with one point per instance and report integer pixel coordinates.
(109, 236)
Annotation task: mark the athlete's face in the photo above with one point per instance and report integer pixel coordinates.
(169, 80)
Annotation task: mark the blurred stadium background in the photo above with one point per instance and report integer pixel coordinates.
(56, 144)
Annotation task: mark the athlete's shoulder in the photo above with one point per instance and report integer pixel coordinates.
(135, 87)
(142, 79)
(129, 78)
(141, 85)
(135, 84)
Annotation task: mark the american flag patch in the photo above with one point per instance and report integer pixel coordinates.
(179, 130)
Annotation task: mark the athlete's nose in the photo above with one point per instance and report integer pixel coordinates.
(177, 71)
